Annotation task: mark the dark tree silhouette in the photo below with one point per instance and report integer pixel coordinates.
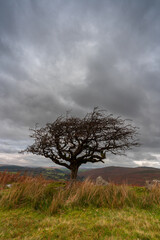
(72, 141)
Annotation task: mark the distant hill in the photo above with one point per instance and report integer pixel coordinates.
(132, 176)
(48, 173)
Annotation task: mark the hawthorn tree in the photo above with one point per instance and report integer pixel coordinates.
(72, 141)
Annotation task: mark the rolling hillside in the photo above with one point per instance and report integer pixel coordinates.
(132, 176)
(119, 175)
(48, 173)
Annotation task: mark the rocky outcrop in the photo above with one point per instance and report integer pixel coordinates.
(101, 181)
(153, 183)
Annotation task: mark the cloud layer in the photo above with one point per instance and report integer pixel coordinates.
(58, 55)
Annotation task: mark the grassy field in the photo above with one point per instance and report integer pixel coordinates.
(34, 208)
(86, 223)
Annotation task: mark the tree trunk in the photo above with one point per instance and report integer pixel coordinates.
(74, 171)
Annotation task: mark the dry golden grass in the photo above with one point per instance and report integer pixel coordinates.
(25, 190)
(52, 197)
(6, 178)
(89, 194)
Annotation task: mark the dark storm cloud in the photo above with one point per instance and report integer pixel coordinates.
(58, 55)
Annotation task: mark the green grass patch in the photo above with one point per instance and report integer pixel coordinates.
(80, 223)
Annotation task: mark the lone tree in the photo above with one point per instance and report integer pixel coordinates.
(72, 141)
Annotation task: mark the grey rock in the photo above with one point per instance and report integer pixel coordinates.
(152, 184)
(101, 181)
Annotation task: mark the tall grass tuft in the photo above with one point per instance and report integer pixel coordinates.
(88, 194)
(7, 178)
(51, 197)
(151, 198)
(28, 191)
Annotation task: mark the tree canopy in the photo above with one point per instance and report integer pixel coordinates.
(71, 141)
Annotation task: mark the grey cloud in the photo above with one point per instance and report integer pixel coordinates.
(56, 56)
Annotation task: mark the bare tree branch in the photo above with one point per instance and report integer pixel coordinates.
(71, 141)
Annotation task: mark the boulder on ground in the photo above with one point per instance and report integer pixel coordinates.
(101, 181)
(152, 183)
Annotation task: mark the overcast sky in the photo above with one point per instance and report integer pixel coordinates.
(58, 55)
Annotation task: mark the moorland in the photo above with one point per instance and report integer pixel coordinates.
(37, 208)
